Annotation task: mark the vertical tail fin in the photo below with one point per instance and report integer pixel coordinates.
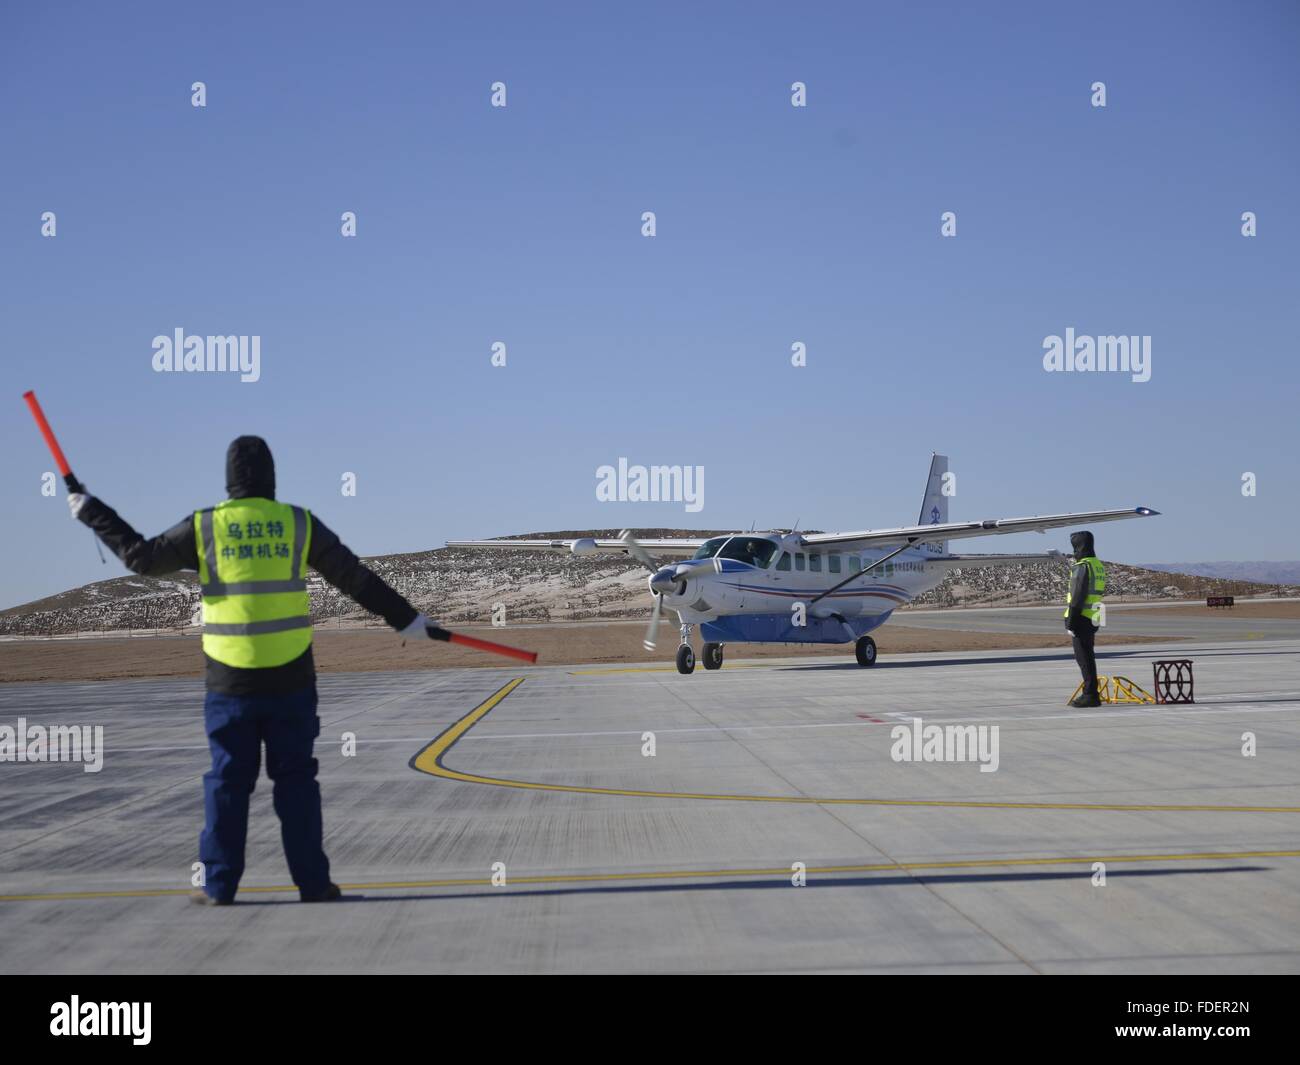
(934, 507)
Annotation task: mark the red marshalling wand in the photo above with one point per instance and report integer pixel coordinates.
(480, 645)
(52, 443)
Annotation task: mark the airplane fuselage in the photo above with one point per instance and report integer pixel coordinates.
(760, 587)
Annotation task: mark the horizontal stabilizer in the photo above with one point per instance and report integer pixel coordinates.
(990, 561)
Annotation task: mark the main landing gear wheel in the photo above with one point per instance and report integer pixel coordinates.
(685, 659)
(713, 656)
(866, 651)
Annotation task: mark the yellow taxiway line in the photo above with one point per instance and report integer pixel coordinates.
(430, 760)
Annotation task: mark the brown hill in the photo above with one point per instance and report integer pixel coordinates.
(459, 585)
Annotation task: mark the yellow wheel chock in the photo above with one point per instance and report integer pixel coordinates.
(1117, 690)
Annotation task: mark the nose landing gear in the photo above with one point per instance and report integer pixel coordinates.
(712, 656)
(685, 659)
(686, 653)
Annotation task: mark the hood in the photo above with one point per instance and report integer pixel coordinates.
(1082, 545)
(250, 470)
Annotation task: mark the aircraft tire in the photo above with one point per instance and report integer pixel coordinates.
(685, 659)
(712, 656)
(865, 649)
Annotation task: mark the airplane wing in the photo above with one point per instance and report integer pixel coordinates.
(962, 529)
(677, 548)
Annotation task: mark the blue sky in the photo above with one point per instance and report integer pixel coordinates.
(775, 224)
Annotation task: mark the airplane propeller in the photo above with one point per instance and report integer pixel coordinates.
(641, 555)
(637, 551)
(653, 631)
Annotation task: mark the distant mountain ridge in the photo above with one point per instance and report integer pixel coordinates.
(1259, 572)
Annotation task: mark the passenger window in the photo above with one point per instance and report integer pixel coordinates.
(855, 565)
(814, 563)
(833, 563)
(798, 562)
(784, 562)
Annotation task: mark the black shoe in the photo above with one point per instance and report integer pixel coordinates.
(331, 894)
(202, 898)
(1085, 702)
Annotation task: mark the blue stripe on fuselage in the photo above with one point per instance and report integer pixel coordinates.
(778, 628)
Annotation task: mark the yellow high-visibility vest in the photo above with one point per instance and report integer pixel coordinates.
(253, 576)
(1096, 589)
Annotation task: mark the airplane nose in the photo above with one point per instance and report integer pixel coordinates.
(663, 580)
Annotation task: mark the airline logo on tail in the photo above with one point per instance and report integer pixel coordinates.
(934, 505)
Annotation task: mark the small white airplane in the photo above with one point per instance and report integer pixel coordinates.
(768, 587)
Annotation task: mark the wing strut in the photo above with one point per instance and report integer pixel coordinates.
(854, 576)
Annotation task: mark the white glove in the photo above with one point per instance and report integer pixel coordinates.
(77, 500)
(415, 630)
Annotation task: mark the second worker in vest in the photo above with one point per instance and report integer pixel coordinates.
(1083, 613)
(251, 553)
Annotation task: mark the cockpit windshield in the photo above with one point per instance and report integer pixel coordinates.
(751, 549)
(710, 547)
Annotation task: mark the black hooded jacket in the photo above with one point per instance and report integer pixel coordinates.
(250, 473)
(1082, 546)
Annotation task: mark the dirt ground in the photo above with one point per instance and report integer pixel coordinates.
(1254, 609)
(104, 658)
